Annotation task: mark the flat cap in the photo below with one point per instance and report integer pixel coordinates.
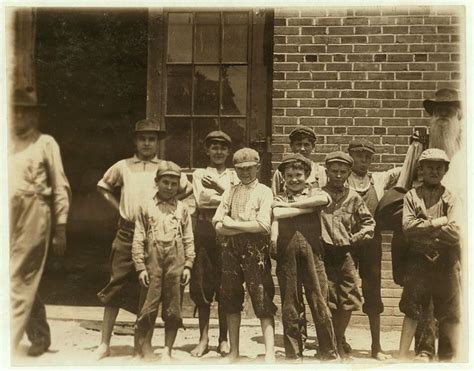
(302, 131)
(292, 158)
(246, 157)
(434, 154)
(219, 136)
(362, 145)
(150, 125)
(447, 97)
(168, 168)
(340, 157)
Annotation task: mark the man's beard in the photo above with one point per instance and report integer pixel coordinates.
(446, 134)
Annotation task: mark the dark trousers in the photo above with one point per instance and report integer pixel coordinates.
(37, 328)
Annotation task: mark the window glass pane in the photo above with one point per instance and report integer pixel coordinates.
(202, 127)
(234, 90)
(235, 128)
(180, 37)
(177, 147)
(206, 90)
(178, 93)
(234, 47)
(206, 41)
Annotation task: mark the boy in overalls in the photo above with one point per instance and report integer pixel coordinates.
(296, 230)
(244, 216)
(135, 178)
(345, 223)
(208, 186)
(163, 255)
(431, 216)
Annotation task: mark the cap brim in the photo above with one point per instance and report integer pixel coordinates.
(429, 104)
(246, 164)
(362, 149)
(339, 161)
(217, 140)
(437, 159)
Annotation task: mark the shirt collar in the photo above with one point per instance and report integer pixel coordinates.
(171, 201)
(136, 160)
(251, 185)
(292, 195)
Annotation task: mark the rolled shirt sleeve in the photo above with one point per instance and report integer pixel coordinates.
(204, 197)
(61, 191)
(223, 208)
(264, 213)
(113, 177)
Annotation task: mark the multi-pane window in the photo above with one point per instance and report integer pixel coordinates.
(206, 81)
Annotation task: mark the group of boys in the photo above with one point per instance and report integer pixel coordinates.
(318, 224)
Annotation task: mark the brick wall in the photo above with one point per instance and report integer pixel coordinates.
(363, 72)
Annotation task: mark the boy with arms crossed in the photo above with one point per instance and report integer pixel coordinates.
(244, 217)
(208, 186)
(296, 246)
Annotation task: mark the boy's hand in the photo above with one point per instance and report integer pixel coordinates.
(185, 276)
(59, 240)
(143, 278)
(228, 222)
(209, 182)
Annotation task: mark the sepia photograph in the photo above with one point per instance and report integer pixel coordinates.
(260, 185)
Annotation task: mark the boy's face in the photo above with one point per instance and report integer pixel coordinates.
(146, 144)
(295, 179)
(303, 146)
(247, 174)
(337, 174)
(362, 161)
(433, 172)
(24, 119)
(217, 153)
(167, 186)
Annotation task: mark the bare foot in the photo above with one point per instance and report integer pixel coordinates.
(166, 358)
(231, 358)
(102, 351)
(223, 348)
(270, 358)
(379, 355)
(200, 349)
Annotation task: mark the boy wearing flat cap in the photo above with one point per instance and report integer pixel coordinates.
(345, 223)
(135, 178)
(431, 216)
(371, 187)
(208, 186)
(244, 217)
(296, 246)
(302, 141)
(163, 256)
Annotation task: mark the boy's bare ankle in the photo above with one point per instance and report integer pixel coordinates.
(102, 351)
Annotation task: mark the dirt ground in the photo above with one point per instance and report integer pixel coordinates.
(74, 345)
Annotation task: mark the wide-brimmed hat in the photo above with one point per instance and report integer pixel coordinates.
(443, 97)
(150, 125)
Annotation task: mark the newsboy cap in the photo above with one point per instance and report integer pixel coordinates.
(340, 157)
(219, 136)
(446, 97)
(168, 168)
(361, 144)
(302, 131)
(434, 154)
(246, 157)
(150, 125)
(292, 158)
